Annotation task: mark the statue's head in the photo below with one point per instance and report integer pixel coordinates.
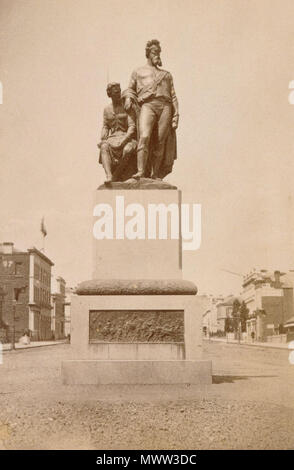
(153, 51)
(113, 90)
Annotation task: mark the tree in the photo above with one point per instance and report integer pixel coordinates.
(229, 327)
(244, 312)
(236, 314)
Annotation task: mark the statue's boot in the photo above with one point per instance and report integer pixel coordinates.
(108, 180)
(138, 175)
(141, 163)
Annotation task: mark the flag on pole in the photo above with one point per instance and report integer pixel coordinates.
(43, 228)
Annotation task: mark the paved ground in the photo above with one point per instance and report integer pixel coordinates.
(249, 406)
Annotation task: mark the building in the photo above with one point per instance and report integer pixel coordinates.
(3, 326)
(25, 278)
(58, 308)
(289, 329)
(269, 297)
(210, 319)
(68, 292)
(224, 309)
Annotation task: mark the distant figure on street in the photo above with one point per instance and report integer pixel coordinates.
(25, 338)
(252, 336)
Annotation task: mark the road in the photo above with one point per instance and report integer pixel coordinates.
(249, 406)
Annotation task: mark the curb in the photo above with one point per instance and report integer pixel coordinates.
(259, 345)
(32, 347)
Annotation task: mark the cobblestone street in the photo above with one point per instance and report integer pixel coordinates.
(249, 406)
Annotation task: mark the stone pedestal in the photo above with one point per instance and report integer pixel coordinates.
(145, 258)
(107, 360)
(93, 372)
(137, 321)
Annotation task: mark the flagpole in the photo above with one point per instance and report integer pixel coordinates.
(44, 233)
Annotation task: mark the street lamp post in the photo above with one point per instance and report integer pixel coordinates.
(13, 324)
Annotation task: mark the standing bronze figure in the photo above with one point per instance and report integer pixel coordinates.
(151, 93)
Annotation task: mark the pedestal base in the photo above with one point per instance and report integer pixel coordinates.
(100, 358)
(95, 372)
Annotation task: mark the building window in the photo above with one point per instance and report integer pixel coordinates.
(7, 263)
(18, 268)
(36, 294)
(37, 271)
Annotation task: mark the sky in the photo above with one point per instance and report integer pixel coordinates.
(231, 60)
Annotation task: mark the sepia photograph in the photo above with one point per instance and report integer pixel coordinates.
(146, 230)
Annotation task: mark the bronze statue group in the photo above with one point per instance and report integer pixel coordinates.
(138, 138)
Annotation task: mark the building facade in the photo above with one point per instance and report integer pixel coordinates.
(58, 308)
(210, 316)
(25, 278)
(224, 310)
(269, 297)
(67, 317)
